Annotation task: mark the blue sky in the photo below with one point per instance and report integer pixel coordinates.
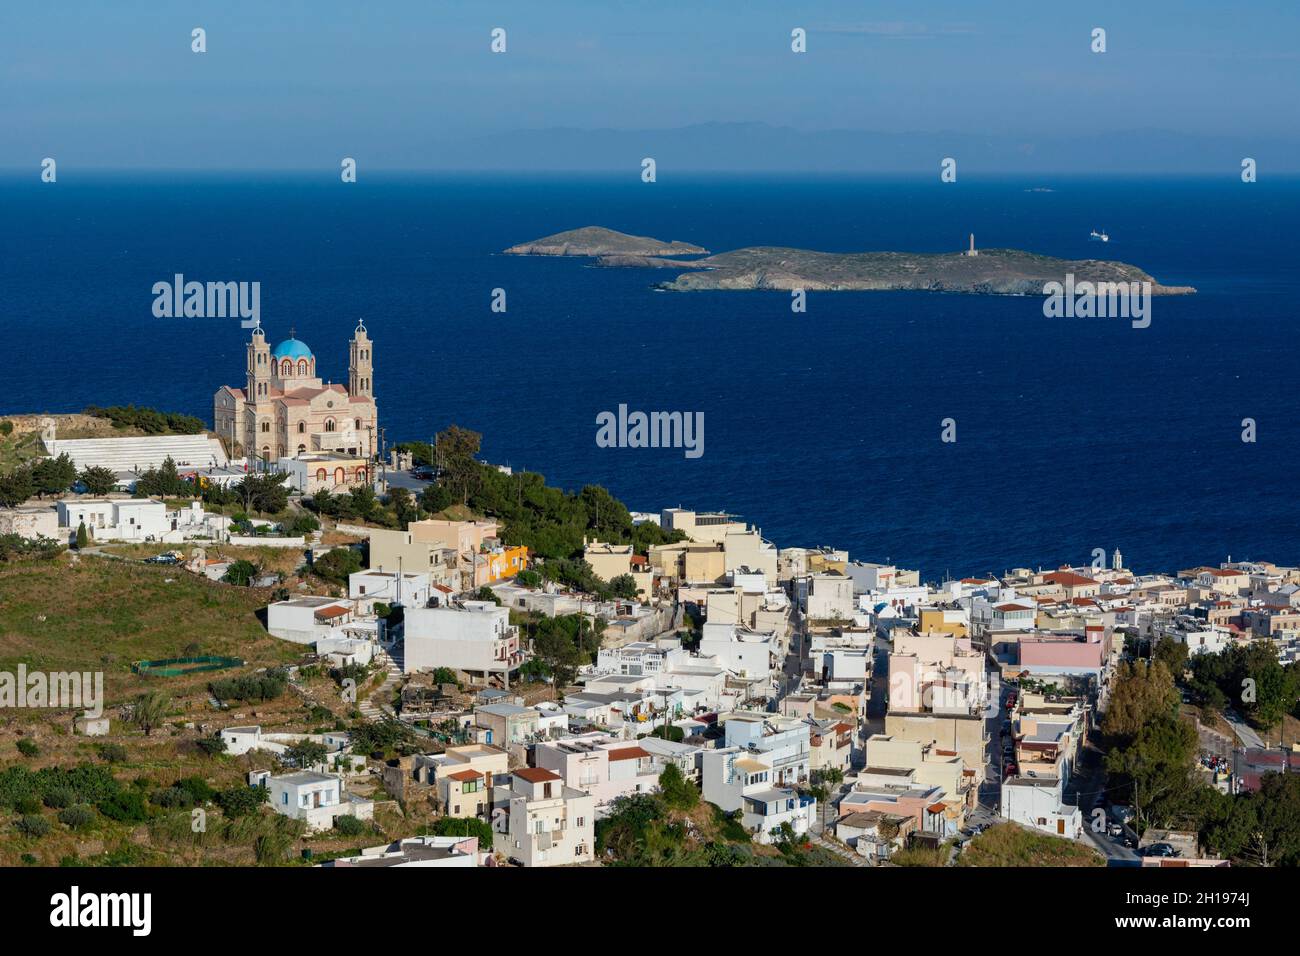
(401, 84)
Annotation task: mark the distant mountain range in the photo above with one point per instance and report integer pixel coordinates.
(760, 147)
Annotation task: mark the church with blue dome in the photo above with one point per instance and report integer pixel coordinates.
(286, 410)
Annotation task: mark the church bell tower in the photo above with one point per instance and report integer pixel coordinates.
(360, 367)
(259, 366)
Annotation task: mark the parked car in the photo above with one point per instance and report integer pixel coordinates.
(167, 558)
(422, 472)
(1115, 830)
(1160, 849)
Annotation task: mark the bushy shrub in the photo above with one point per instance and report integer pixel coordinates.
(28, 747)
(349, 826)
(212, 745)
(56, 798)
(77, 817)
(111, 753)
(240, 801)
(251, 687)
(337, 565)
(464, 826)
(125, 806)
(197, 788)
(33, 825)
(171, 798)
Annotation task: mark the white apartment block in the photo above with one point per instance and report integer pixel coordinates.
(475, 637)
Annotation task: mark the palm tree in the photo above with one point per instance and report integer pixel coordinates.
(149, 711)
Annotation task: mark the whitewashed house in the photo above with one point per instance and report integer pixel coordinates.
(735, 779)
(410, 589)
(114, 519)
(475, 637)
(317, 798)
(308, 619)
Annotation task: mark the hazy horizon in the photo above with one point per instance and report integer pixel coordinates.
(413, 86)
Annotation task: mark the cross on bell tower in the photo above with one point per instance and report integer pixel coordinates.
(360, 364)
(259, 365)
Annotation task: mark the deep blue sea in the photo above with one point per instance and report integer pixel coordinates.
(821, 428)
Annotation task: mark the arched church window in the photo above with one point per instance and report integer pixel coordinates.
(320, 474)
(340, 476)
(302, 427)
(302, 449)
(266, 426)
(286, 367)
(302, 366)
(329, 424)
(358, 424)
(361, 475)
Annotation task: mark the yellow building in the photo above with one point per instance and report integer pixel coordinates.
(936, 620)
(466, 777)
(499, 564)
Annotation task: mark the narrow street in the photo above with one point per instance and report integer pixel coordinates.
(1082, 790)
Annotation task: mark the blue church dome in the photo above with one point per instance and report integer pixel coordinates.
(292, 348)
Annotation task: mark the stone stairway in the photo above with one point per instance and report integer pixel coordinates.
(376, 706)
(839, 849)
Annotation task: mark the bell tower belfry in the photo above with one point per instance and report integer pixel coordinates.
(259, 366)
(360, 364)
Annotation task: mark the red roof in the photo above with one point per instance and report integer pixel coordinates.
(1068, 579)
(536, 774)
(334, 611)
(464, 775)
(936, 808)
(628, 753)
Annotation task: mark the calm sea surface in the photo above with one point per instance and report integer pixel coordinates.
(820, 428)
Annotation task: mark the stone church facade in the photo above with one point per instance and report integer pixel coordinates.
(285, 410)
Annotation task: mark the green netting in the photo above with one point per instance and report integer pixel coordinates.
(176, 666)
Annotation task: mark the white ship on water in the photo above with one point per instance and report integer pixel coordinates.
(1096, 236)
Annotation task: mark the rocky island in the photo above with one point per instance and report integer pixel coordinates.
(982, 271)
(599, 241)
